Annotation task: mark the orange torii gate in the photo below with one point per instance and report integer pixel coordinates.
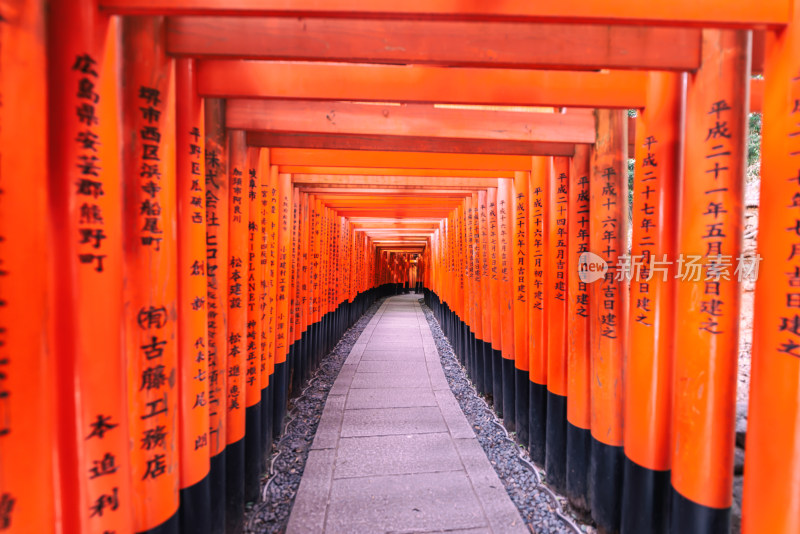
(150, 399)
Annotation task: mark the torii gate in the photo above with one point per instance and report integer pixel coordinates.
(94, 279)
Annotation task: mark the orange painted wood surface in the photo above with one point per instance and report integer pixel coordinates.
(421, 84)
(674, 13)
(444, 43)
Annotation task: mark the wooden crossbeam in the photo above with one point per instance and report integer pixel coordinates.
(413, 120)
(402, 160)
(407, 127)
(407, 144)
(716, 13)
(403, 182)
(421, 84)
(340, 174)
(447, 43)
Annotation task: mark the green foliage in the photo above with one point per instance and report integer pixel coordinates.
(754, 139)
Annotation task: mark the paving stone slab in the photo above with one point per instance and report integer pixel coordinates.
(410, 503)
(389, 380)
(393, 421)
(396, 455)
(308, 513)
(385, 355)
(392, 366)
(359, 399)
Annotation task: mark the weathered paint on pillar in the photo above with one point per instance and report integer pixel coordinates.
(578, 360)
(608, 308)
(216, 157)
(772, 481)
(236, 289)
(192, 301)
(27, 365)
(648, 375)
(706, 349)
(556, 292)
(537, 317)
(85, 204)
(151, 292)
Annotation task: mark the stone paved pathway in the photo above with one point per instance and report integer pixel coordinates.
(393, 451)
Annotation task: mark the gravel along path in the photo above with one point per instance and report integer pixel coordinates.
(541, 508)
(288, 460)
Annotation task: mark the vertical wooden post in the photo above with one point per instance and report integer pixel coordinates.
(236, 289)
(771, 497)
(521, 208)
(27, 365)
(477, 285)
(279, 376)
(578, 361)
(648, 375)
(252, 365)
(284, 242)
(608, 296)
(150, 261)
(707, 327)
(537, 317)
(486, 301)
(505, 222)
(496, 356)
(264, 294)
(216, 156)
(556, 280)
(86, 224)
(193, 418)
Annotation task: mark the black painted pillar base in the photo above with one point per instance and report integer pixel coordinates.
(556, 453)
(194, 513)
(253, 453)
(170, 526)
(488, 380)
(646, 497)
(689, 517)
(537, 410)
(497, 381)
(234, 487)
(579, 450)
(521, 410)
(479, 375)
(605, 485)
(509, 398)
(266, 424)
(280, 398)
(216, 478)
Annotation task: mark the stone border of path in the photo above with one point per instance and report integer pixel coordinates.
(279, 486)
(313, 500)
(542, 509)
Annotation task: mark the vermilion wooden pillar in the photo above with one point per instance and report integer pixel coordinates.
(494, 261)
(278, 392)
(648, 374)
(520, 277)
(27, 365)
(537, 304)
(263, 254)
(486, 301)
(282, 280)
(85, 200)
(216, 157)
(151, 292)
(236, 289)
(772, 479)
(608, 308)
(707, 327)
(505, 223)
(578, 361)
(252, 365)
(557, 280)
(193, 418)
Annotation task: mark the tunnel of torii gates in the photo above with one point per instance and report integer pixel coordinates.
(199, 196)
